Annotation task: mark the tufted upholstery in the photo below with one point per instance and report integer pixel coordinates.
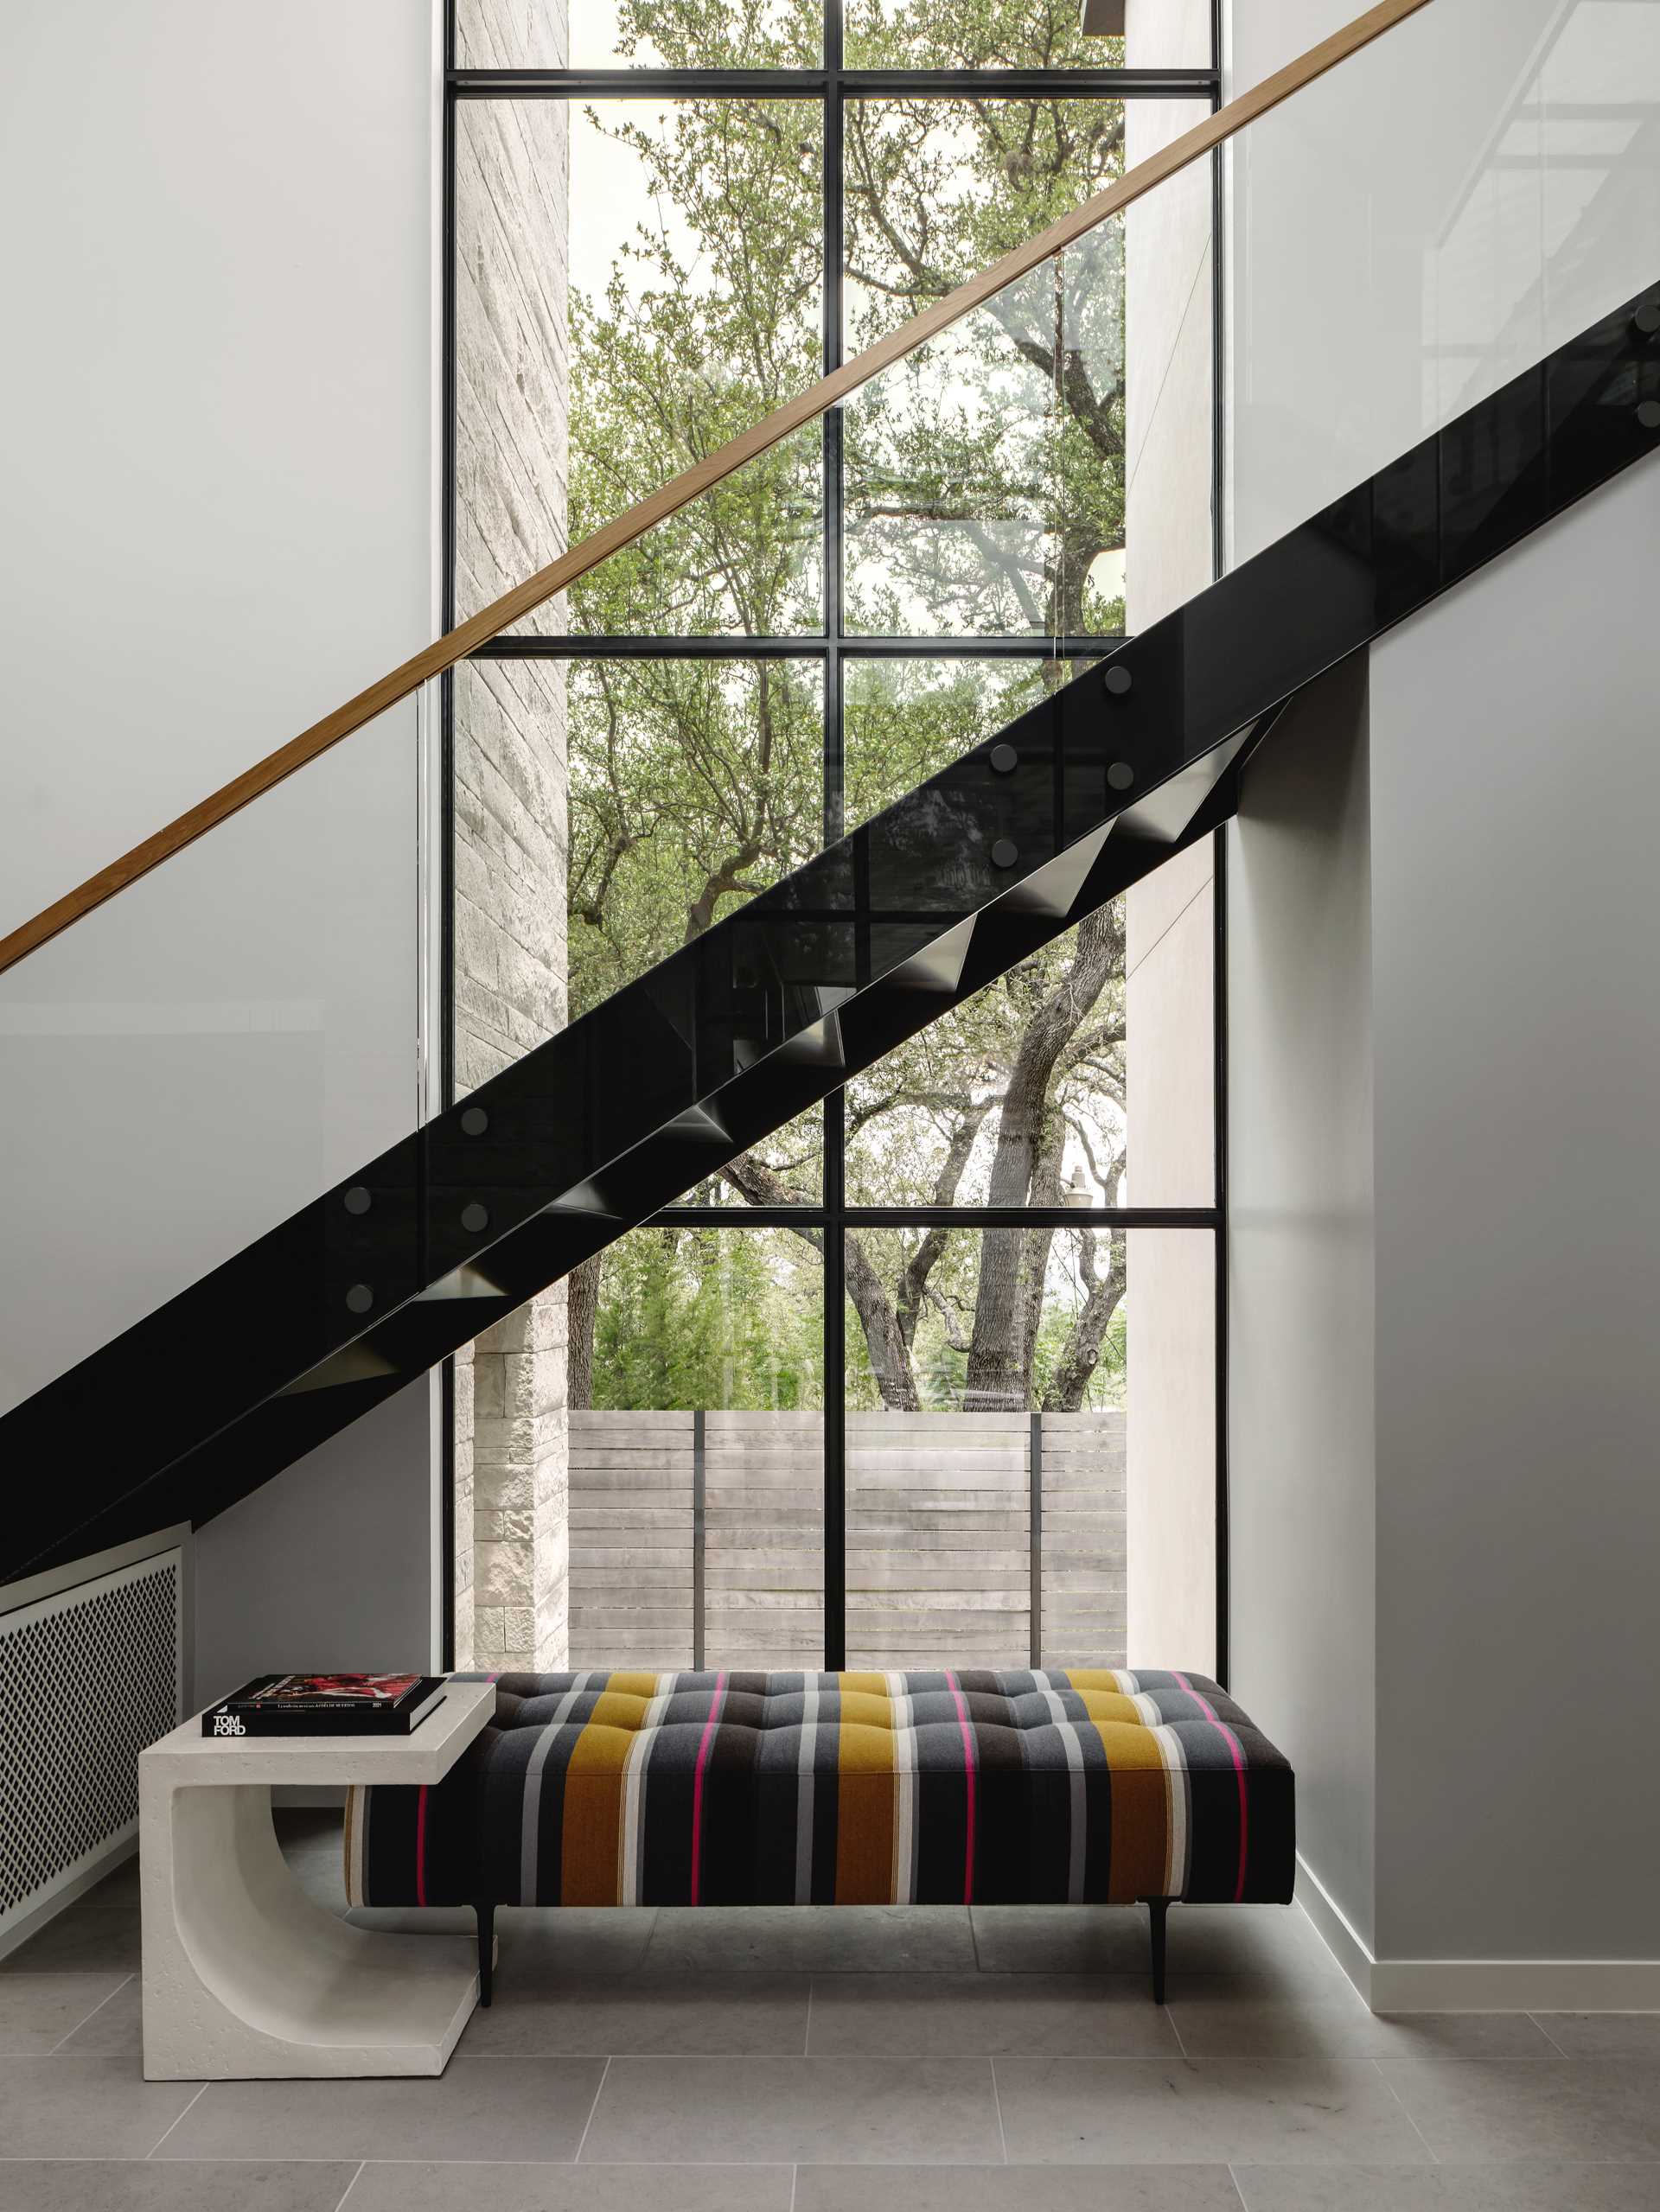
(950, 1787)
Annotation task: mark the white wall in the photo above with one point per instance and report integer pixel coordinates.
(1169, 390)
(1443, 1060)
(1302, 1449)
(1515, 791)
(1444, 1054)
(218, 484)
(1428, 219)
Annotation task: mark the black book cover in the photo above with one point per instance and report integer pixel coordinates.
(324, 1705)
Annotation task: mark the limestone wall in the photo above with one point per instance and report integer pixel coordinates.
(509, 804)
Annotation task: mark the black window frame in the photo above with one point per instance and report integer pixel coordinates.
(832, 85)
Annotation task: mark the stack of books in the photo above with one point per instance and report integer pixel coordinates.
(326, 1704)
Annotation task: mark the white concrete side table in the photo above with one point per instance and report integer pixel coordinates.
(245, 1976)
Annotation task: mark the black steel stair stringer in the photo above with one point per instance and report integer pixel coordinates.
(774, 1007)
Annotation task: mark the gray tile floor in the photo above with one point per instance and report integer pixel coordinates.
(933, 2061)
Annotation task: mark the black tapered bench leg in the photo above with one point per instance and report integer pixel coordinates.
(486, 1914)
(1157, 1912)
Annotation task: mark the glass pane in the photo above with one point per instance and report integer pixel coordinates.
(693, 784)
(1016, 35)
(637, 34)
(1528, 211)
(990, 475)
(957, 1340)
(937, 188)
(598, 359)
(201, 1058)
(904, 720)
(1016, 1098)
(1088, 1073)
(987, 1366)
(697, 1452)
(785, 1168)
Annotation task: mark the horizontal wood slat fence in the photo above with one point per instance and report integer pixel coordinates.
(696, 1540)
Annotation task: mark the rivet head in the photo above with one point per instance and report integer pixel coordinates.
(1649, 414)
(357, 1199)
(475, 1218)
(1647, 317)
(359, 1299)
(1004, 759)
(1119, 775)
(1117, 679)
(474, 1121)
(1005, 853)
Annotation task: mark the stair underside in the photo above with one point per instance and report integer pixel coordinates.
(814, 979)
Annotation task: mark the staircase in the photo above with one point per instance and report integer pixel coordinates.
(594, 1132)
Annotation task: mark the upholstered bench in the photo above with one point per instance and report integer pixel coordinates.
(1075, 1786)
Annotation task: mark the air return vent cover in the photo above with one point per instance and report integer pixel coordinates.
(88, 1676)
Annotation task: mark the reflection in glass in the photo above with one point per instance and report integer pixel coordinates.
(985, 473)
(936, 188)
(907, 719)
(693, 784)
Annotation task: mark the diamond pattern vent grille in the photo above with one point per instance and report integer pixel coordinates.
(87, 1678)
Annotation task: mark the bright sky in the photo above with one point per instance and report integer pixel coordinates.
(608, 194)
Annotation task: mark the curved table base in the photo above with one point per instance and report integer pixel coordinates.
(245, 1977)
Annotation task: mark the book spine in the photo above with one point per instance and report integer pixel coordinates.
(229, 1725)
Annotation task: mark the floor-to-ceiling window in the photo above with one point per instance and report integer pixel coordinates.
(878, 1391)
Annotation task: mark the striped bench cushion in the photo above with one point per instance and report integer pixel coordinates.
(967, 1787)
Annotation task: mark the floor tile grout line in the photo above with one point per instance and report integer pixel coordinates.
(997, 2100)
(772, 2166)
(806, 2035)
(1547, 2035)
(202, 2091)
(352, 2184)
(1411, 2122)
(1238, 2191)
(93, 2015)
(605, 2076)
(794, 2180)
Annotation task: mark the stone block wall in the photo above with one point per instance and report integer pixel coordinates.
(508, 981)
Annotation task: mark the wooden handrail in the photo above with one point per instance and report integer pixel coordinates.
(680, 491)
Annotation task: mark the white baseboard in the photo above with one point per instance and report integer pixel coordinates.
(1475, 1985)
(1334, 1929)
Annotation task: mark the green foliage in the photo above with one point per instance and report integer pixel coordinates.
(693, 785)
(709, 1318)
(985, 488)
